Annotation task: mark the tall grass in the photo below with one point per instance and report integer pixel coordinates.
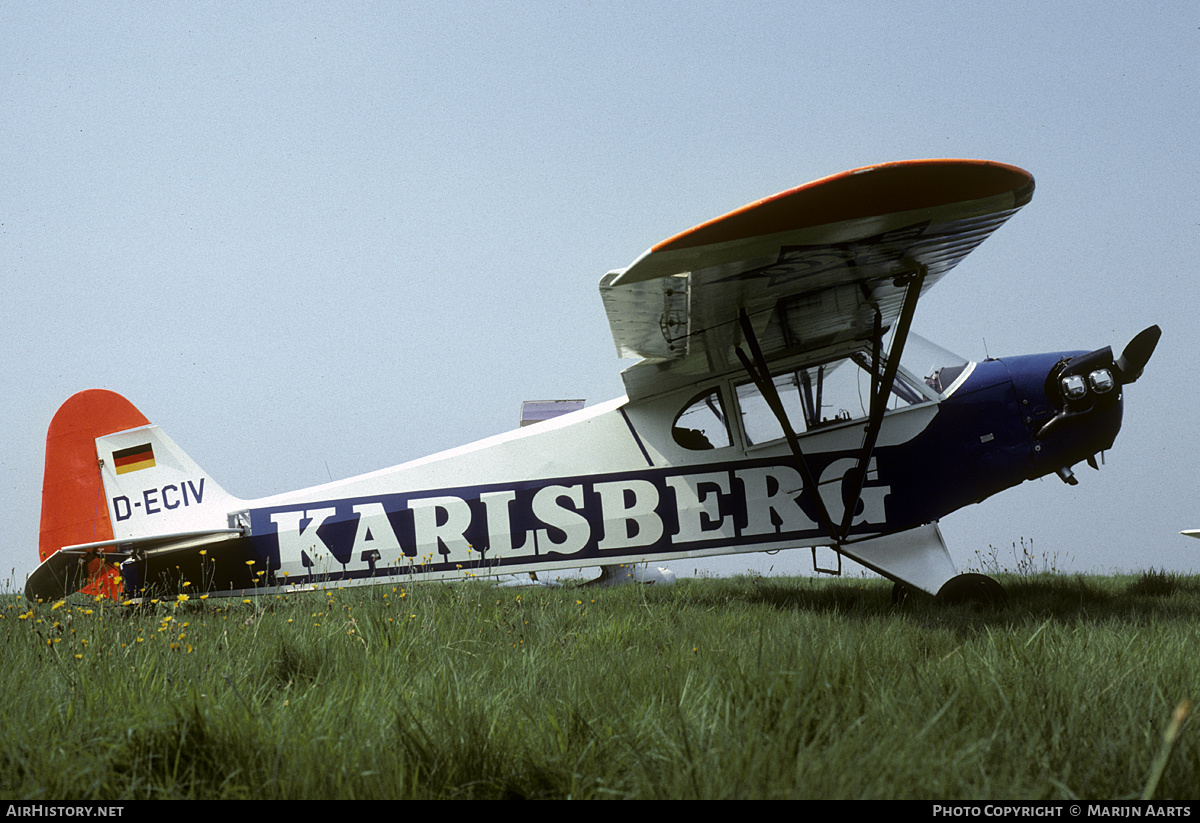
(736, 688)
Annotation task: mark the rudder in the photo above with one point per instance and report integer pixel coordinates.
(74, 510)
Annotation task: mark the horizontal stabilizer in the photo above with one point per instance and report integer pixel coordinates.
(154, 541)
(67, 570)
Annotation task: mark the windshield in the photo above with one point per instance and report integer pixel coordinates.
(940, 369)
(822, 395)
(840, 390)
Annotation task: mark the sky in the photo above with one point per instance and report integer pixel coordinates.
(315, 240)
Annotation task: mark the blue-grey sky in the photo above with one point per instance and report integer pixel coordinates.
(314, 240)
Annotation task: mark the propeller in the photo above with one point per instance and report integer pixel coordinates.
(1131, 362)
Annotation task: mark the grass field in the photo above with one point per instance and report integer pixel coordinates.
(712, 688)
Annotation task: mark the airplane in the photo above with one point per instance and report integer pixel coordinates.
(779, 401)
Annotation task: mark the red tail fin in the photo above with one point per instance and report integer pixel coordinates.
(74, 509)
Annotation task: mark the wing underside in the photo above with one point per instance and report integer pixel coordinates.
(811, 267)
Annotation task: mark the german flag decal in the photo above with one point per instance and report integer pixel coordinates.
(131, 460)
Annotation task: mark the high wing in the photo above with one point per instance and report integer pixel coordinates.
(822, 268)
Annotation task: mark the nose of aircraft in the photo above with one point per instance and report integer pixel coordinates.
(1092, 382)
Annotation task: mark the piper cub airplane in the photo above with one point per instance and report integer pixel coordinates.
(780, 401)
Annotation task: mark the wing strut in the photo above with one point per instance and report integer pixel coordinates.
(882, 388)
(761, 375)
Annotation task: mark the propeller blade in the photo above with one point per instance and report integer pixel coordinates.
(1137, 354)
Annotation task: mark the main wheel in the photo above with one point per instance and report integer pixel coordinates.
(971, 588)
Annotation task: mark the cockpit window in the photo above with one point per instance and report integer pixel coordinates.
(941, 370)
(703, 423)
(824, 395)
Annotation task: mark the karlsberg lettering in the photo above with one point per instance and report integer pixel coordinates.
(647, 513)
